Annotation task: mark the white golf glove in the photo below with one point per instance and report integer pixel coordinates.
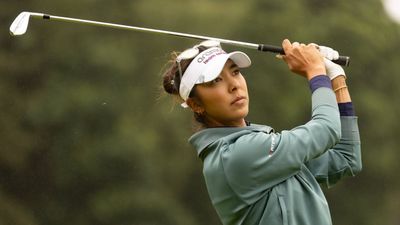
(333, 70)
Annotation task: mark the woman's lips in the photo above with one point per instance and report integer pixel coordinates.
(238, 100)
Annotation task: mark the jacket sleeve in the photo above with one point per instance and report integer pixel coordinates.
(258, 161)
(344, 159)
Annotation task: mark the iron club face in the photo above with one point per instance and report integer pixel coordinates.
(21, 22)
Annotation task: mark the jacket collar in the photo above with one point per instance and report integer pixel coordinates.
(202, 139)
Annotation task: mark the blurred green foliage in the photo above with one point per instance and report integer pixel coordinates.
(87, 137)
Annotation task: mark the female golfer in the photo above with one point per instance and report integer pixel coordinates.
(253, 174)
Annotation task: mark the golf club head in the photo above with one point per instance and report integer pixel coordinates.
(20, 24)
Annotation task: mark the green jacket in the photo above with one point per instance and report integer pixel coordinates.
(256, 176)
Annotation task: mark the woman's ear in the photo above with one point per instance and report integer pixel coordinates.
(195, 105)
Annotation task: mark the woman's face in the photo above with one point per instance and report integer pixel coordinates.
(224, 101)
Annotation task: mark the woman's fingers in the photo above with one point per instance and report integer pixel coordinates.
(286, 45)
(302, 59)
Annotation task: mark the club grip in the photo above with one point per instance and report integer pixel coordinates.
(342, 60)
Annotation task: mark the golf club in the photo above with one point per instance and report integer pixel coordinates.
(20, 25)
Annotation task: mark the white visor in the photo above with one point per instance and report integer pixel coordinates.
(207, 66)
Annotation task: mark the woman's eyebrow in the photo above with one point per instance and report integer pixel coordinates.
(233, 66)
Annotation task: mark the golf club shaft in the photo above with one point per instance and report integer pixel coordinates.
(342, 60)
(148, 30)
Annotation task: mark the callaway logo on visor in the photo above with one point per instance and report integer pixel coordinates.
(207, 56)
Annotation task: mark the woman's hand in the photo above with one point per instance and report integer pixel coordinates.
(302, 59)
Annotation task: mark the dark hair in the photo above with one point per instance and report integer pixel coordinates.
(172, 79)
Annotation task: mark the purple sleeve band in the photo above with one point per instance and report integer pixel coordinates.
(346, 109)
(320, 81)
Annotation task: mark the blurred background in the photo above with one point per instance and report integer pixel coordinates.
(88, 137)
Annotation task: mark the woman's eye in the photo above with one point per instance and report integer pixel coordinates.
(216, 80)
(236, 72)
(213, 82)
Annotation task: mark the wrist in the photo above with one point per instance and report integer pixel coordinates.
(316, 71)
(339, 81)
(340, 88)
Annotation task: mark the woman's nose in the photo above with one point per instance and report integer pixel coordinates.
(233, 84)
